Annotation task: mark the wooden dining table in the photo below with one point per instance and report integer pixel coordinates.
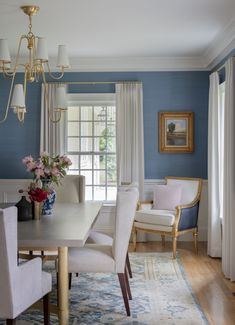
(68, 226)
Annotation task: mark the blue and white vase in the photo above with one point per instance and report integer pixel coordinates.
(47, 208)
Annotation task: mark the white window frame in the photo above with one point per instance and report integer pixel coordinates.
(99, 99)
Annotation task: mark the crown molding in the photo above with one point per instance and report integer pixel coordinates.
(221, 46)
(122, 64)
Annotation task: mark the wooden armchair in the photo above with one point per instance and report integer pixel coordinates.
(173, 223)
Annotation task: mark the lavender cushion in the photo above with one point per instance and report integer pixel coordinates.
(166, 197)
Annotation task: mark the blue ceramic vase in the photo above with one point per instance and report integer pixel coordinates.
(47, 208)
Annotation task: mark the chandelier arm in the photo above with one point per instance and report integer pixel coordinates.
(12, 81)
(10, 74)
(9, 99)
(50, 113)
(53, 76)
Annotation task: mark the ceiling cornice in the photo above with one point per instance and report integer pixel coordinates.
(115, 64)
(221, 46)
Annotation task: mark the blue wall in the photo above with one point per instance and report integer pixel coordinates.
(163, 91)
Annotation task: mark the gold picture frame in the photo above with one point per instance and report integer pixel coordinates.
(176, 132)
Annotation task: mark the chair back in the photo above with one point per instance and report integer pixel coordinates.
(71, 189)
(191, 188)
(8, 258)
(125, 213)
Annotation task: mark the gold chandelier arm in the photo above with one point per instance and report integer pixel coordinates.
(53, 76)
(9, 99)
(49, 110)
(9, 74)
(12, 81)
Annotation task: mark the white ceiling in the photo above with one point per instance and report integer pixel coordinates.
(139, 32)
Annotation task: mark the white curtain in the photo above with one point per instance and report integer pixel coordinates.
(130, 136)
(228, 237)
(52, 135)
(214, 186)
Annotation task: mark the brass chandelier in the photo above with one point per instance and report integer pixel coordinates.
(34, 70)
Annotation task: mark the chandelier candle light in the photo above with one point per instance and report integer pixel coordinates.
(34, 70)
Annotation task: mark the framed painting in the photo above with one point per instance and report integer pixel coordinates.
(176, 132)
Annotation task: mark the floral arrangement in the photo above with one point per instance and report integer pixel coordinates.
(37, 194)
(45, 170)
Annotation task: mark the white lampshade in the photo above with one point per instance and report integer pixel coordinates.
(18, 98)
(4, 51)
(61, 98)
(62, 58)
(41, 53)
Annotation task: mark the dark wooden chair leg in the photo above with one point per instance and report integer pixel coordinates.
(57, 288)
(121, 277)
(46, 309)
(70, 280)
(128, 264)
(128, 285)
(11, 321)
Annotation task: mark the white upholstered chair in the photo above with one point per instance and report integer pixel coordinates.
(110, 258)
(71, 189)
(20, 285)
(181, 219)
(101, 238)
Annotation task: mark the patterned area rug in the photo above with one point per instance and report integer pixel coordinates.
(161, 295)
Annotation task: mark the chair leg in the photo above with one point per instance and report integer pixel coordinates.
(11, 321)
(46, 309)
(70, 280)
(134, 236)
(128, 264)
(128, 289)
(163, 240)
(195, 238)
(57, 288)
(121, 277)
(174, 242)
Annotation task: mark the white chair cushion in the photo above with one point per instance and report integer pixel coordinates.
(156, 217)
(91, 258)
(142, 225)
(166, 197)
(189, 189)
(99, 238)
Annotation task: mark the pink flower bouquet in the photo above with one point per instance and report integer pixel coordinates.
(47, 169)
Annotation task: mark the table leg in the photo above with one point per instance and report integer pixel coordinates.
(63, 286)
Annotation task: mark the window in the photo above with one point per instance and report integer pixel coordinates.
(91, 143)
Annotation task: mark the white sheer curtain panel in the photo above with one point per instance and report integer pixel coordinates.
(214, 194)
(52, 135)
(130, 135)
(228, 237)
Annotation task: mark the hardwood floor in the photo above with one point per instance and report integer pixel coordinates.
(214, 292)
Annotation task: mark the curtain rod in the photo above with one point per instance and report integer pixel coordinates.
(223, 66)
(94, 82)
